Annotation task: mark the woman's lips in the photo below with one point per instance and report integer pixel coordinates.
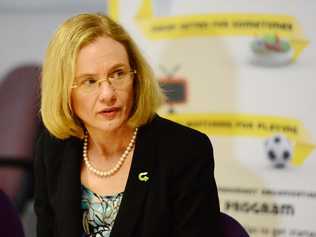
(110, 112)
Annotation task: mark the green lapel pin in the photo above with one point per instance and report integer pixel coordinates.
(143, 176)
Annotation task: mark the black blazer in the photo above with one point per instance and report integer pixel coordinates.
(179, 198)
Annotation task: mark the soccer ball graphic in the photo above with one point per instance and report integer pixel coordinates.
(278, 150)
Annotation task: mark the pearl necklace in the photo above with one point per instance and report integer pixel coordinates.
(118, 164)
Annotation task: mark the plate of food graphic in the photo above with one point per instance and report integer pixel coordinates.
(271, 50)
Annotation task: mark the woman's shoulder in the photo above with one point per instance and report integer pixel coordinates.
(170, 129)
(175, 136)
(180, 147)
(49, 147)
(46, 139)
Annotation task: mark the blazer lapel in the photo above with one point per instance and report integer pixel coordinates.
(69, 191)
(137, 184)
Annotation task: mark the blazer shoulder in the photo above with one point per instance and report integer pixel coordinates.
(174, 130)
(50, 148)
(182, 148)
(47, 142)
(173, 136)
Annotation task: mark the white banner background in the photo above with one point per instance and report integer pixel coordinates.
(242, 99)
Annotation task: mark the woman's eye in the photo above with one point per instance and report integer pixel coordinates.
(118, 74)
(89, 81)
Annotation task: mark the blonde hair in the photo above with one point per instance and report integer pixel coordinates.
(59, 72)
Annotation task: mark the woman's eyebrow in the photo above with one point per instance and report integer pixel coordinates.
(84, 75)
(119, 65)
(112, 68)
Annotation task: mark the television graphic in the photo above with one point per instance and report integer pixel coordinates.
(174, 87)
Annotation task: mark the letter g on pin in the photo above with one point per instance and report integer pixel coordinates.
(143, 176)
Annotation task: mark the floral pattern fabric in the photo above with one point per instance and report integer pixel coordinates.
(99, 212)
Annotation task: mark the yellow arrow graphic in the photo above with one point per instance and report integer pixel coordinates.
(256, 25)
(251, 126)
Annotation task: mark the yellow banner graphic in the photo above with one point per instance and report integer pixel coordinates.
(113, 9)
(256, 25)
(252, 126)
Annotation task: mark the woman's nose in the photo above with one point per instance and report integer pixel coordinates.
(106, 90)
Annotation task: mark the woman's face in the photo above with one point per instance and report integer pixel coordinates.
(102, 107)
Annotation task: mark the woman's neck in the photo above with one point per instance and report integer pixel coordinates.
(109, 144)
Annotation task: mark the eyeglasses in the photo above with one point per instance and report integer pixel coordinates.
(117, 79)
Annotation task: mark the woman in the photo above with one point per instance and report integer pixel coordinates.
(107, 164)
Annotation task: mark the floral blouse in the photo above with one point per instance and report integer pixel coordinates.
(99, 212)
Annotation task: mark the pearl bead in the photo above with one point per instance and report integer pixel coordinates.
(118, 164)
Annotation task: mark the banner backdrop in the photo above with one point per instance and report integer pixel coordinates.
(242, 72)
